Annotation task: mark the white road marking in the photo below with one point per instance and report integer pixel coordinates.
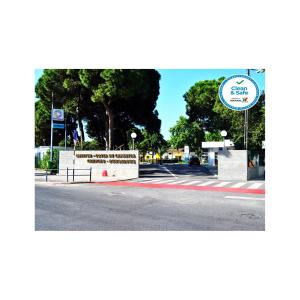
(221, 184)
(255, 185)
(153, 180)
(143, 180)
(239, 184)
(169, 171)
(246, 198)
(206, 183)
(163, 181)
(191, 182)
(177, 182)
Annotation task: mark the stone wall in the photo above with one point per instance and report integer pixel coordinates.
(121, 164)
(232, 165)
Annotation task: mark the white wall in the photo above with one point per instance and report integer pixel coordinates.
(126, 168)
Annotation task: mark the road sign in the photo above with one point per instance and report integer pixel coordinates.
(239, 92)
(58, 126)
(58, 114)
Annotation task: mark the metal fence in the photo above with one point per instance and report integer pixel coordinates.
(71, 173)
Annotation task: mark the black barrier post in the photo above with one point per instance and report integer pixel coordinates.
(90, 174)
(73, 174)
(67, 174)
(46, 175)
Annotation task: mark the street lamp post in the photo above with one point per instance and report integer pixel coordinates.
(133, 136)
(224, 134)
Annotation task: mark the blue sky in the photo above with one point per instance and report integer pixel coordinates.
(175, 83)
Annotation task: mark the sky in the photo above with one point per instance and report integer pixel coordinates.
(174, 83)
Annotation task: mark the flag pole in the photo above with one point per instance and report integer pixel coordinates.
(65, 132)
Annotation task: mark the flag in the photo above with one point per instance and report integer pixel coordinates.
(75, 136)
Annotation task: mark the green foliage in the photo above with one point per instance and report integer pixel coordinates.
(69, 143)
(110, 101)
(213, 136)
(42, 124)
(151, 141)
(46, 158)
(93, 145)
(200, 100)
(233, 123)
(203, 105)
(128, 97)
(186, 132)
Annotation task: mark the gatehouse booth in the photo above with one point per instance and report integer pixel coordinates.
(213, 148)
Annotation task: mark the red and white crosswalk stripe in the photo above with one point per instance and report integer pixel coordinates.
(238, 185)
(192, 182)
(207, 183)
(163, 181)
(200, 183)
(178, 182)
(255, 185)
(222, 184)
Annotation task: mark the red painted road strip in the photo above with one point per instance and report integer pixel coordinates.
(184, 187)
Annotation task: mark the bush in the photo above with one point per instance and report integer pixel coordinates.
(44, 163)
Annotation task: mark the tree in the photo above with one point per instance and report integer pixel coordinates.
(186, 132)
(152, 141)
(77, 97)
(67, 91)
(127, 94)
(42, 124)
(203, 105)
(234, 124)
(200, 100)
(213, 136)
(121, 99)
(48, 87)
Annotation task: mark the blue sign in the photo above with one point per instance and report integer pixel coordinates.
(58, 126)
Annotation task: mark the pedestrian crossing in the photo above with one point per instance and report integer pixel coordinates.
(202, 183)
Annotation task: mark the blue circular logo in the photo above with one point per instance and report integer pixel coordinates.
(239, 92)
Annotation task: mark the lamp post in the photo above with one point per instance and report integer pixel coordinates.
(224, 134)
(133, 136)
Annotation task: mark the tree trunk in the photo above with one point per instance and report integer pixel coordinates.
(81, 128)
(80, 119)
(110, 115)
(106, 143)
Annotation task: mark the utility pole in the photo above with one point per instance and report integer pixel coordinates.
(51, 141)
(246, 118)
(247, 112)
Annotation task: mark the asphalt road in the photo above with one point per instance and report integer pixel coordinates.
(102, 207)
(177, 170)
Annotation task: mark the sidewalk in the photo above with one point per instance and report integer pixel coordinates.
(40, 176)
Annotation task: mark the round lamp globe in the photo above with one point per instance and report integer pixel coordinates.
(133, 135)
(223, 133)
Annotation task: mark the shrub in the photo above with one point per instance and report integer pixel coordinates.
(46, 158)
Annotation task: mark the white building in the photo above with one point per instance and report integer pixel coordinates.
(214, 147)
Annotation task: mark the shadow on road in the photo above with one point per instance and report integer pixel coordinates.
(155, 170)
